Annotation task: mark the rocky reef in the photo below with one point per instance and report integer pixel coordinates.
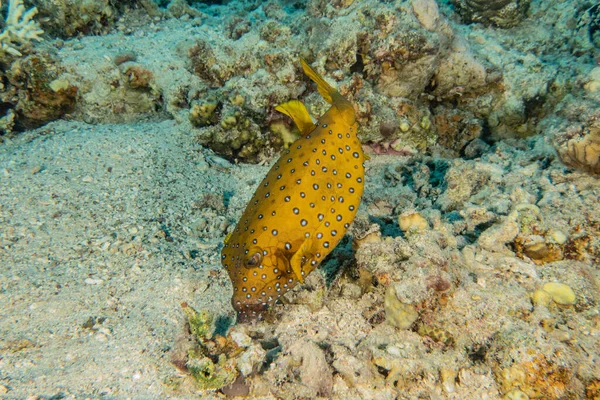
(471, 270)
(421, 81)
(480, 294)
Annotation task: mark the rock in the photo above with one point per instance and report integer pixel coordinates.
(516, 394)
(561, 293)
(541, 298)
(397, 313)
(496, 237)
(412, 222)
(476, 148)
(313, 369)
(502, 13)
(427, 13)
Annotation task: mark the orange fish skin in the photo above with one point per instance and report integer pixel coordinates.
(299, 212)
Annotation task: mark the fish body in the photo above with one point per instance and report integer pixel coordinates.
(301, 209)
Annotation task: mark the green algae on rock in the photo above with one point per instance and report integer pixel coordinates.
(208, 374)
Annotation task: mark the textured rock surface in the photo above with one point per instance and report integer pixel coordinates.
(502, 13)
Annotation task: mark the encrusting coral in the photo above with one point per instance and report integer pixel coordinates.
(502, 13)
(38, 93)
(20, 29)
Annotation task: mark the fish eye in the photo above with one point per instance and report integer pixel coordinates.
(253, 259)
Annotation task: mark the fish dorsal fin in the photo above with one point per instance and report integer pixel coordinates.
(300, 258)
(298, 112)
(326, 90)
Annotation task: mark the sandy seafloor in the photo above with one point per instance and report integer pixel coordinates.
(83, 208)
(106, 229)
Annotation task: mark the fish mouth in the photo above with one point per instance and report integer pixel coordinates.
(247, 312)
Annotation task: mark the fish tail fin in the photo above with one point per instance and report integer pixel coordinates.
(326, 90)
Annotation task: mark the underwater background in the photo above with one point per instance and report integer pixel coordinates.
(134, 133)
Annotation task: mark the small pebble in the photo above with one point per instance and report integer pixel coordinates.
(125, 57)
(448, 377)
(516, 394)
(87, 179)
(558, 237)
(561, 293)
(412, 221)
(101, 337)
(541, 298)
(561, 336)
(394, 351)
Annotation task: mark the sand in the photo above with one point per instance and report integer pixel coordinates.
(95, 254)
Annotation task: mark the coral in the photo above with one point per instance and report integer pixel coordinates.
(273, 31)
(238, 27)
(201, 323)
(394, 61)
(19, 29)
(592, 391)
(411, 221)
(377, 255)
(138, 77)
(39, 93)
(579, 146)
(539, 377)
(67, 18)
(502, 13)
(212, 360)
(178, 9)
(204, 113)
(235, 137)
(208, 374)
(287, 134)
(206, 64)
(497, 236)
(119, 94)
(398, 314)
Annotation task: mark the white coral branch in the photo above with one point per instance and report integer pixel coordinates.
(20, 28)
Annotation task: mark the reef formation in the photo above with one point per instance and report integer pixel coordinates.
(471, 268)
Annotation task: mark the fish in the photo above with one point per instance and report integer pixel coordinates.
(301, 209)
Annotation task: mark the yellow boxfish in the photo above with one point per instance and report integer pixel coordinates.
(301, 209)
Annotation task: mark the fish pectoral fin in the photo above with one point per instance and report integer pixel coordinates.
(298, 112)
(300, 258)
